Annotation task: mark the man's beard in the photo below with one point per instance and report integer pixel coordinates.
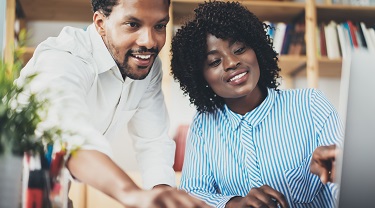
(128, 71)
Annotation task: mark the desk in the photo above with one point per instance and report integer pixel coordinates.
(84, 196)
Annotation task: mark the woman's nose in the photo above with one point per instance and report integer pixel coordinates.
(231, 62)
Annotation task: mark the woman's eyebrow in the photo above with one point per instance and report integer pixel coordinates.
(211, 52)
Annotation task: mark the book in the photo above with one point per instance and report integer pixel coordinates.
(317, 34)
(361, 36)
(353, 33)
(287, 38)
(333, 50)
(323, 46)
(371, 32)
(279, 36)
(297, 41)
(343, 40)
(369, 43)
(348, 35)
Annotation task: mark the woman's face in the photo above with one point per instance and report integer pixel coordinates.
(231, 68)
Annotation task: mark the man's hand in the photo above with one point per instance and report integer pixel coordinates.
(162, 197)
(264, 196)
(118, 185)
(323, 163)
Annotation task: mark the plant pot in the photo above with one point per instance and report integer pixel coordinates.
(10, 181)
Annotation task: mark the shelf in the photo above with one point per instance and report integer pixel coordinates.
(330, 67)
(56, 10)
(291, 65)
(342, 13)
(327, 68)
(274, 11)
(296, 66)
(80, 10)
(27, 53)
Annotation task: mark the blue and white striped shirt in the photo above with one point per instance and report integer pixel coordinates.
(227, 154)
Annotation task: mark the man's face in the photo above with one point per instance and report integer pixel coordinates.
(134, 33)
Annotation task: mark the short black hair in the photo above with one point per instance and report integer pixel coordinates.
(228, 21)
(106, 6)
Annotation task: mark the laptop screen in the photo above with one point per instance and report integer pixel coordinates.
(357, 107)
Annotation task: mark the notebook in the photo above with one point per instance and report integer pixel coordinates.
(356, 165)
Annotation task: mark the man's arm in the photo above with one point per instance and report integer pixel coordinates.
(98, 170)
(62, 76)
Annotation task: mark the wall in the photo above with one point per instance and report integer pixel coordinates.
(329, 86)
(38, 31)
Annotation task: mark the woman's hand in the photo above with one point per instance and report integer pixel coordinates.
(264, 196)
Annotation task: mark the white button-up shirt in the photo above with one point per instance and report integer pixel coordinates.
(90, 99)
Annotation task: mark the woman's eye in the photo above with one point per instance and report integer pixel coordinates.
(240, 50)
(214, 63)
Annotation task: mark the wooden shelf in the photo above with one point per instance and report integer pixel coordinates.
(292, 64)
(27, 53)
(296, 66)
(341, 13)
(275, 11)
(57, 10)
(330, 67)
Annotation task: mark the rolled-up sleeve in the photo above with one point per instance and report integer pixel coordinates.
(63, 81)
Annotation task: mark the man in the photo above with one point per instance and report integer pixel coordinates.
(104, 79)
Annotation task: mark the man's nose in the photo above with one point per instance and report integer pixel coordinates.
(147, 38)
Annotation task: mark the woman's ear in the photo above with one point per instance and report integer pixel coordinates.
(99, 21)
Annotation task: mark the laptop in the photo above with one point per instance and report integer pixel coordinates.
(356, 165)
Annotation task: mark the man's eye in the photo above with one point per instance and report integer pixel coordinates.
(132, 24)
(160, 26)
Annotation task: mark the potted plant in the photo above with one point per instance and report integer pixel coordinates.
(20, 131)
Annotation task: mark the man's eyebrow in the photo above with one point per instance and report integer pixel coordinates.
(165, 19)
(132, 18)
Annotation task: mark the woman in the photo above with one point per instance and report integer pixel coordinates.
(250, 144)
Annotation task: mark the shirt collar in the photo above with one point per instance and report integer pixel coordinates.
(101, 55)
(253, 117)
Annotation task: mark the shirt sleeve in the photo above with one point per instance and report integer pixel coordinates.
(64, 80)
(328, 131)
(149, 130)
(197, 178)
(329, 127)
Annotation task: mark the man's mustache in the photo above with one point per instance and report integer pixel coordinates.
(144, 50)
